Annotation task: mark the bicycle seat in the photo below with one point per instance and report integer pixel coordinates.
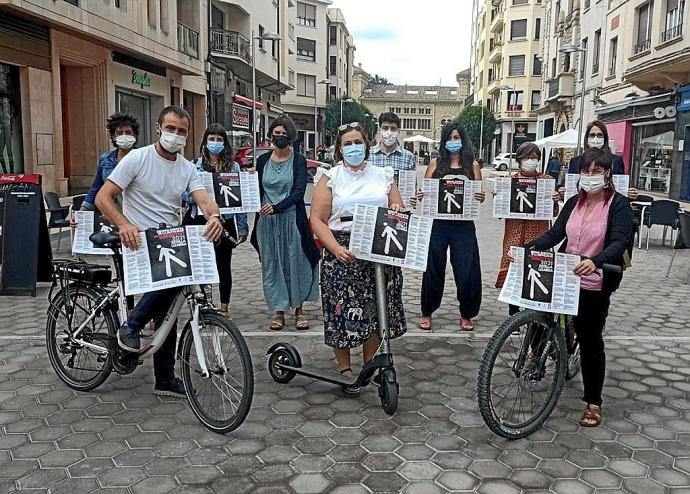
(104, 239)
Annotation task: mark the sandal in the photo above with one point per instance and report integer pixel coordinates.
(302, 323)
(349, 389)
(591, 417)
(466, 324)
(278, 323)
(425, 323)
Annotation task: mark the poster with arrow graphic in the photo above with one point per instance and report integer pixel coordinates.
(168, 258)
(389, 237)
(451, 198)
(542, 281)
(620, 182)
(89, 222)
(234, 192)
(524, 198)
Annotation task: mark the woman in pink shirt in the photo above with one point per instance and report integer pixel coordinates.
(596, 224)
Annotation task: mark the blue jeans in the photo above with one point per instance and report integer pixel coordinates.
(461, 238)
(154, 305)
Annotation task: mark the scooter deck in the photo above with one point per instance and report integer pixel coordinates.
(330, 376)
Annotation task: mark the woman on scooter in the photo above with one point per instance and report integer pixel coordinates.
(348, 284)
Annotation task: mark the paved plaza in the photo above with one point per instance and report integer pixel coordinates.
(309, 437)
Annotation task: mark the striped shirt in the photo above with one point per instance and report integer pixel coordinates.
(400, 159)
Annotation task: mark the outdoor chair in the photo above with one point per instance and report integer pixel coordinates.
(59, 215)
(682, 242)
(638, 214)
(77, 201)
(663, 213)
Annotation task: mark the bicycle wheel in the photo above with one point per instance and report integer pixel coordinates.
(573, 365)
(222, 400)
(78, 366)
(521, 374)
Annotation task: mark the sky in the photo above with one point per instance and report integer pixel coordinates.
(418, 42)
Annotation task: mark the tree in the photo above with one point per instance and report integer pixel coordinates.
(377, 79)
(352, 112)
(471, 119)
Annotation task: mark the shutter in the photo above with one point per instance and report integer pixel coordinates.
(516, 65)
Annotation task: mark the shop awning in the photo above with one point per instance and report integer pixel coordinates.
(247, 101)
(567, 139)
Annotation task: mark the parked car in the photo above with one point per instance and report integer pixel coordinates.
(312, 165)
(502, 161)
(243, 156)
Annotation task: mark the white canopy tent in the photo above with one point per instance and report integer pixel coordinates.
(567, 139)
(420, 138)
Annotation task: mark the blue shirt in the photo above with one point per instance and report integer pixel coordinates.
(106, 164)
(400, 159)
(242, 228)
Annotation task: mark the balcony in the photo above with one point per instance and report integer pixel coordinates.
(496, 22)
(642, 47)
(496, 3)
(187, 40)
(562, 86)
(230, 43)
(496, 52)
(494, 86)
(672, 33)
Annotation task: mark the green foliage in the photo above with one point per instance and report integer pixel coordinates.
(471, 118)
(377, 79)
(352, 112)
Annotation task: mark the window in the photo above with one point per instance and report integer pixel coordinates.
(306, 14)
(412, 91)
(118, 4)
(516, 65)
(587, 2)
(515, 101)
(431, 92)
(332, 92)
(537, 28)
(583, 58)
(536, 65)
(391, 91)
(644, 29)
(673, 27)
(291, 31)
(397, 109)
(306, 85)
(596, 51)
(553, 67)
(520, 2)
(518, 29)
(306, 50)
(333, 35)
(424, 123)
(73, 2)
(332, 65)
(613, 56)
(536, 100)
(428, 111)
(413, 111)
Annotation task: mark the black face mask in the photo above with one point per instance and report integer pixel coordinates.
(281, 142)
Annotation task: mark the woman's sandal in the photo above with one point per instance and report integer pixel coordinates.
(302, 322)
(424, 323)
(278, 323)
(591, 417)
(346, 388)
(466, 324)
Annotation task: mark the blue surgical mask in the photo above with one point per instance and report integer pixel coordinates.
(354, 154)
(215, 147)
(454, 146)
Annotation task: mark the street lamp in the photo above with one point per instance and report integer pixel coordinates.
(325, 82)
(268, 36)
(573, 48)
(343, 100)
(505, 87)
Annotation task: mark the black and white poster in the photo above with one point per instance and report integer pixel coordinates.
(168, 258)
(89, 222)
(389, 237)
(451, 198)
(524, 198)
(620, 182)
(542, 281)
(234, 192)
(406, 180)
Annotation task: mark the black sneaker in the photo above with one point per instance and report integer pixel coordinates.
(129, 339)
(174, 388)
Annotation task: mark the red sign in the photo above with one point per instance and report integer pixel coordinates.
(247, 101)
(240, 117)
(615, 22)
(20, 178)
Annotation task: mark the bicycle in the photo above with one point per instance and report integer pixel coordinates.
(530, 352)
(81, 336)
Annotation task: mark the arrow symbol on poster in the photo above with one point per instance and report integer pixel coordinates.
(522, 197)
(533, 277)
(226, 192)
(450, 198)
(166, 254)
(390, 235)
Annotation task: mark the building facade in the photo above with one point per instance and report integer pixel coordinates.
(65, 66)
(507, 67)
(341, 53)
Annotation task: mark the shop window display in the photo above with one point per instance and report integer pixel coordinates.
(11, 160)
(654, 155)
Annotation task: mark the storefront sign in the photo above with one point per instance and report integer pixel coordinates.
(240, 117)
(142, 80)
(520, 130)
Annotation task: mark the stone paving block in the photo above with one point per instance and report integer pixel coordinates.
(571, 486)
(384, 482)
(347, 473)
(166, 466)
(311, 483)
(457, 481)
(419, 470)
(531, 479)
(75, 486)
(643, 486)
(198, 475)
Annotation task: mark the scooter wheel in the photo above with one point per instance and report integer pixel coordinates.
(388, 391)
(278, 358)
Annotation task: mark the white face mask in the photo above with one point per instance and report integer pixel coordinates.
(529, 166)
(172, 143)
(389, 137)
(125, 141)
(592, 184)
(596, 142)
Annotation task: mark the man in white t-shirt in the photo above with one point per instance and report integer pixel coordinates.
(151, 180)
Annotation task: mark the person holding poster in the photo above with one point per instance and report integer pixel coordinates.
(348, 284)
(521, 231)
(151, 181)
(597, 224)
(456, 158)
(288, 253)
(216, 157)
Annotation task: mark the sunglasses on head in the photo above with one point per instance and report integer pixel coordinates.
(353, 125)
(599, 135)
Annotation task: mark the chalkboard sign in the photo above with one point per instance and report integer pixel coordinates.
(25, 251)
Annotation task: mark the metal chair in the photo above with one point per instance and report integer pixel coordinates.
(59, 215)
(663, 213)
(77, 201)
(682, 242)
(638, 213)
